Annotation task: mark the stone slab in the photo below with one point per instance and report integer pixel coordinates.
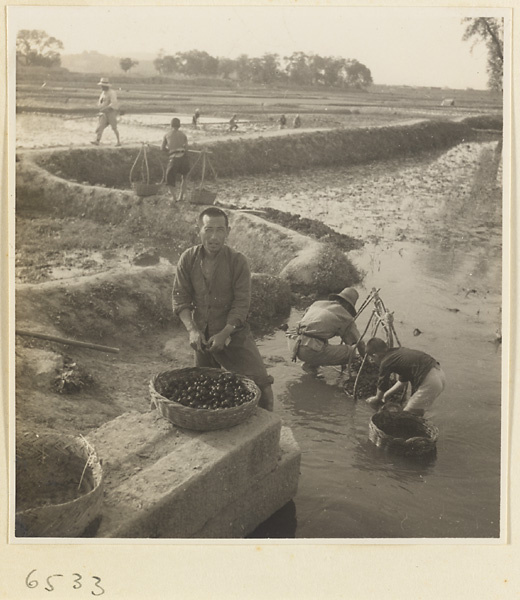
(265, 496)
(163, 481)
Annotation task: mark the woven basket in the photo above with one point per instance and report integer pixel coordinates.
(200, 419)
(403, 433)
(59, 486)
(146, 189)
(202, 196)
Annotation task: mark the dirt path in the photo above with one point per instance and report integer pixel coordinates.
(40, 131)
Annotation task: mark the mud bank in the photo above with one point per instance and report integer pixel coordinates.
(111, 167)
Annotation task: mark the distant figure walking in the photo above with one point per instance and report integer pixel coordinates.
(233, 125)
(108, 111)
(282, 121)
(297, 123)
(175, 143)
(195, 119)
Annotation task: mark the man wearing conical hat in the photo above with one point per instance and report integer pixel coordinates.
(108, 111)
(324, 320)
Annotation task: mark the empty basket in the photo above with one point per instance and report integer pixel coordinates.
(59, 486)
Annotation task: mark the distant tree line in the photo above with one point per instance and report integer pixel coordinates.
(298, 68)
(36, 48)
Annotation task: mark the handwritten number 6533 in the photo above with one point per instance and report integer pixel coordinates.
(32, 582)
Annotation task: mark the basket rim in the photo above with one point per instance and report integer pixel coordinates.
(431, 431)
(96, 468)
(209, 370)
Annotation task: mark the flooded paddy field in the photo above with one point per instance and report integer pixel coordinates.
(433, 231)
(432, 227)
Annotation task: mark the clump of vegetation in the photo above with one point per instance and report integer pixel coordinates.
(313, 228)
(270, 299)
(334, 272)
(72, 379)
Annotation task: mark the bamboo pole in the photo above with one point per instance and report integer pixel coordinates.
(60, 340)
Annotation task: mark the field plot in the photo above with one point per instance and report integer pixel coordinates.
(427, 229)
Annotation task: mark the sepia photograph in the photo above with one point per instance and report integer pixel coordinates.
(259, 277)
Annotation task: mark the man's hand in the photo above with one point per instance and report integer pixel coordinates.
(197, 341)
(217, 342)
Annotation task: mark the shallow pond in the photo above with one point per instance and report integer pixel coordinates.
(448, 288)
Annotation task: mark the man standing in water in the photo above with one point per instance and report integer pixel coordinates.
(175, 143)
(322, 321)
(420, 369)
(108, 111)
(211, 296)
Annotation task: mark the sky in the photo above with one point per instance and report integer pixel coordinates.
(400, 46)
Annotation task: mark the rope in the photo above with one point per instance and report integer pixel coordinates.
(354, 391)
(145, 168)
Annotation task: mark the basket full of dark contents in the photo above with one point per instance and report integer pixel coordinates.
(399, 431)
(59, 486)
(203, 398)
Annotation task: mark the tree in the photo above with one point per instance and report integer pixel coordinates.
(197, 62)
(490, 31)
(127, 63)
(357, 75)
(35, 47)
(298, 68)
(166, 65)
(226, 67)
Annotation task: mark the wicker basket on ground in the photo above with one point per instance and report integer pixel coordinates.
(144, 188)
(201, 419)
(402, 432)
(59, 486)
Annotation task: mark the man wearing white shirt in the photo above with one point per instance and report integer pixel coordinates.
(108, 111)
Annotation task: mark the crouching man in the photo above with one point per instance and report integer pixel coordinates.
(420, 369)
(322, 321)
(211, 296)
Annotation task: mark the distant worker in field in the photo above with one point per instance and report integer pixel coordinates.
(175, 143)
(233, 125)
(420, 369)
(108, 111)
(297, 123)
(211, 296)
(195, 119)
(324, 320)
(282, 121)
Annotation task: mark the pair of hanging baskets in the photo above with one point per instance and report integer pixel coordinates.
(144, 188)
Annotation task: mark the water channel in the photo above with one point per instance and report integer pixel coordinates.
(440, 273)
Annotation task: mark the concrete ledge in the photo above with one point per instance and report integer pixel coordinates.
(262, 499)
(162, 481)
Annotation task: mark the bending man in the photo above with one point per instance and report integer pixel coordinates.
(420, 369)
(211, 295)
(322, 321)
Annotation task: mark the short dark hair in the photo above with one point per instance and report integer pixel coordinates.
(213, 211)
(376, 346)
(176, 123)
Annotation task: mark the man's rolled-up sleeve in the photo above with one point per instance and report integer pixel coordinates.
(242, 293)
(350, 335)
(182, 294)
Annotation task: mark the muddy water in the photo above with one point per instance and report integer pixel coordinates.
(446, 285)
